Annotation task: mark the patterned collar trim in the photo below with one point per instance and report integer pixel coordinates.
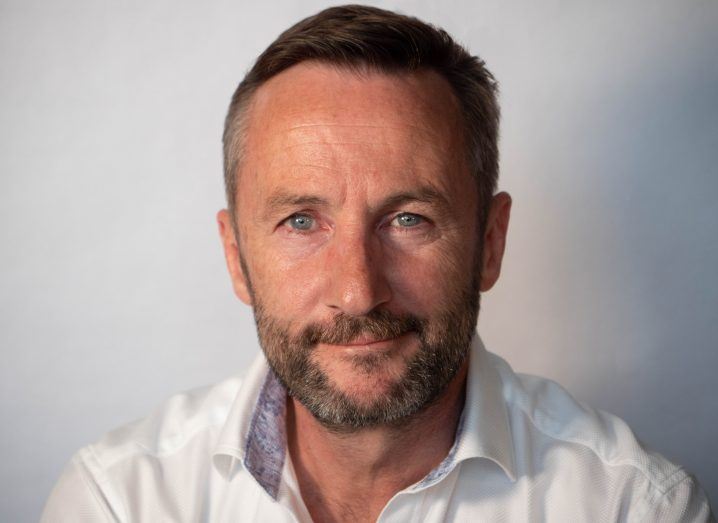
(265, 449)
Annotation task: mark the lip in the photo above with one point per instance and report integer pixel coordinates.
(370, 342)
(366, 342)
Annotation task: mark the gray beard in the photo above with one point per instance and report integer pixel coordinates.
(444, 346)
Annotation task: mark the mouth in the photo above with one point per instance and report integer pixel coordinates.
(372, 343)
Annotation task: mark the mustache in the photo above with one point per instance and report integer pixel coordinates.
(344, 329)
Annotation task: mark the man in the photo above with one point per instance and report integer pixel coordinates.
(362, 224)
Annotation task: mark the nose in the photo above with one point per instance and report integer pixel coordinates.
(356, 275)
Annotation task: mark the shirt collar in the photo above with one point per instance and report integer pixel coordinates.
(483, 430)
(486, 432)
(254, 434)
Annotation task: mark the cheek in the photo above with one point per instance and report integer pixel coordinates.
(429, 280)
(288, 290)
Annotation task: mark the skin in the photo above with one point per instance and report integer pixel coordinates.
(354, 196)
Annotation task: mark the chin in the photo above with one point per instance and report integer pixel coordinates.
(366, 391)
(363, 373)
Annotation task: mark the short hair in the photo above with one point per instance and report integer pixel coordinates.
(360, 38)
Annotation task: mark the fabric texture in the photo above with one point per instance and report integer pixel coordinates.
(524, 450)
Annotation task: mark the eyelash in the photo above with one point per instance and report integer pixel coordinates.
(420, 219)
(296, 215)
(287, 222)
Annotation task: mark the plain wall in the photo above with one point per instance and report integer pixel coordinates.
(113, 290)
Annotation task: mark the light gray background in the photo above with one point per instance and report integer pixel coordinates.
(113, 291)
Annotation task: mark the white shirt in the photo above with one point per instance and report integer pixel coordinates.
(525, 450)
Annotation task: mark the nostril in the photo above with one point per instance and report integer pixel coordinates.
(357, 292)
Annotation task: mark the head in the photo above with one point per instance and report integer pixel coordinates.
(360, 165)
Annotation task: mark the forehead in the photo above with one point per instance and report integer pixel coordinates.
(312, 90)
(312, 93)
(336, 122)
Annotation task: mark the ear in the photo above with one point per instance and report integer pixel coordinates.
(497, 224)
(231, 256)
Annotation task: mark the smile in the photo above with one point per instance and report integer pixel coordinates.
(366, 341)
(370, 342)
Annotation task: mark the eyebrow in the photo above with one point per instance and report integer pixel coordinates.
(422, 194)
(282, 200)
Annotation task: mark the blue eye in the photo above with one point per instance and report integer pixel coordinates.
(407, 219)
(301, 222)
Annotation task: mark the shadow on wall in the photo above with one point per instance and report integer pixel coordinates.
(649, 147)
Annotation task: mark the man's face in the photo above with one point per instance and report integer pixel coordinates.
(358, 238)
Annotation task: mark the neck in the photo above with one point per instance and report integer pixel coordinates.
(351, 476)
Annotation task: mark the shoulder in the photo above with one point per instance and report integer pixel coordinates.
(156, 457)
(588, 450)
(179, 420)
